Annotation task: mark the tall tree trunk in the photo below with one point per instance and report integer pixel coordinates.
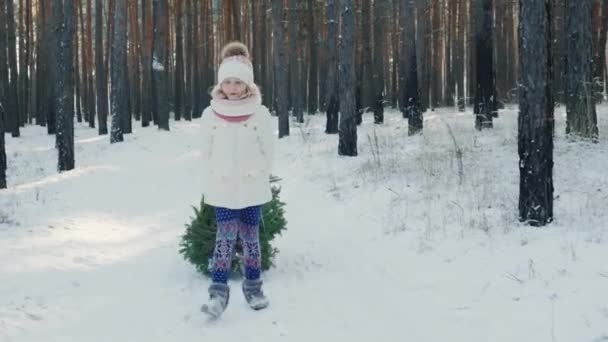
(332, 97)
(4, 84)
(424, 52)
(78, 66)
(100, 71)
(147, 95)
(558, 49)
(601, 73)
(535, 122)
(159, 64)
(189, 67)
(236, 20)
(459, 57)
(118, 94)
(280, 67)
(367, 87)
(485, 94)
(196, 99)
(378, 54)
(179, 60)
(411, 95)
(294, 67)
(63, 13)
(3, 90)
(89, 63)
(313, 69)
(3, 164)
(22, 65)
(13, 99)
(136, 61)
(347, 144)
(396, 57)
(581, 117)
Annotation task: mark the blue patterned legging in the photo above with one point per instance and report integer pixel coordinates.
(232, 223)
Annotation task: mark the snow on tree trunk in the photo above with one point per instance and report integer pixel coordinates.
(347, 145)
(118, 94)
(63, 13)
(581, 118)
(332, 98)
(159, 62)
(535, 121)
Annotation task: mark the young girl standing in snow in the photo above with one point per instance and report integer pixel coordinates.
(237, 152)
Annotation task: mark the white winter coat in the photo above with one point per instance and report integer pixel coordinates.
(237, 159)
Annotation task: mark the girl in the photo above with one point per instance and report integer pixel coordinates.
(237, 152)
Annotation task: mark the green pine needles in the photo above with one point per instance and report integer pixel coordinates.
(198, 241)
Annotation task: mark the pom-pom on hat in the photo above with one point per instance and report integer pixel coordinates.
(236, 63)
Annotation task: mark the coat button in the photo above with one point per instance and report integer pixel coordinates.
(246, 125)
(214, 127)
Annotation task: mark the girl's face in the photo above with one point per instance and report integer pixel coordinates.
(233, 88)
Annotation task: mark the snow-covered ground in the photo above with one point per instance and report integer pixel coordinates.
(398, 244)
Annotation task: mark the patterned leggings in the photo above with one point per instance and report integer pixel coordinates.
(232, 223)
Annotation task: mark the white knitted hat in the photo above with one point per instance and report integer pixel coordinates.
(237, 67)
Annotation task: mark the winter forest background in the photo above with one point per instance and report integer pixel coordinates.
(469, 121)
(142, 60)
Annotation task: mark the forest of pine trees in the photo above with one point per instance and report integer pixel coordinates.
(120, 63)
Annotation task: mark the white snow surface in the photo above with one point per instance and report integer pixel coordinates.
(388, 246)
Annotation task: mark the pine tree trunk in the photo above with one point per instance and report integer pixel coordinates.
(64, 16)
(236, 20)
(313, 70)
(13, 100)
(280, 67)
(4, 84)
(558, 50)
(189, 67)
(3, 164)
(22, 65)
(118, 93)
(179, 61)
(88, 47)
(411, 96)
(134, 58)
(380, 17)
(51, 62)
(581, 118)
(78, 65)
(196, 100)
(294, 67)
(601, 72)
(366, 87)
(485, 92)
(535, 122)
(347, 145)
(424, 52)
(332, 97)
(159, 64)
(147, 87)
(459, 56)
(100, 71)
(396, 57)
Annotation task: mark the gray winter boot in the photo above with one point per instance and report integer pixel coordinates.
(219, 294)
(252, 289)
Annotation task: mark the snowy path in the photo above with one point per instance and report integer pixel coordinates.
(91, 255)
